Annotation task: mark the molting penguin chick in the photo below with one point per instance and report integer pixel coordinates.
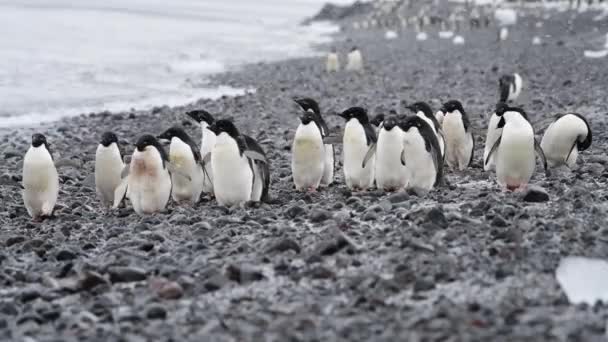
(359, 135)
(354, 60)
(421, 154)
(308, 153)
(185, 157)
(148, 184)
(205, 120)
(564, 138)
(424, 111)
(492, 135)
(458, 135)
(233, 165)
(108, 168)
(40, 179)
(310, 105)
(390, 174)
(509, 87)
(333, 62)
(514, 149)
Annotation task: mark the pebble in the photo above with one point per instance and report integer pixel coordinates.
(319, 215)
(535, 194)
(156, 311)
(243, 274)
(283, 245)
(65, 255)
(126, 274)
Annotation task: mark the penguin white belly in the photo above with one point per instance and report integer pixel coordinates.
(328, 167)
(232, 173)
(419, 163)
(207, 143)
(40, 182)
(332, 63)
(459, 144)
(355, 148)
(180, 156)
(258, 183)
(308, 157)
(391, 175)
(108, 169)
(515, 160)
(517, 86)
(491, 137)
(149, 184)
(559, 139)
(355, 61)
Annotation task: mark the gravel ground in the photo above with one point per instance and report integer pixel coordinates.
(466, 262)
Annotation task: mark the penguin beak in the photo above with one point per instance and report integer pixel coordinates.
(411, 108)
(343, 115)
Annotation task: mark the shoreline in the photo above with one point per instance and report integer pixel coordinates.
(467, 261)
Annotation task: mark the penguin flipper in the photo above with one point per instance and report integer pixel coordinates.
(370, 153)
(571, 149)
(120, 192)
(541, 155)
(403, 157)
(174, 170)
(472, 148)
(206, 159)
(494, 148)
(256, 156)
(125, 171)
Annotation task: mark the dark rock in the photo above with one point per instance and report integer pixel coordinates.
(13, 240)
(319, 215)
(370, 216)
(156, 311)
(215, 282)
(320, 272)
(65, 255)
(295, 211)
(28, 295)
(423, 285)
(498, 221)
(90, 279)
(284, 244)
(126, 274)
(243, 274)
(535, 194)
(436, 216)
(398, 197)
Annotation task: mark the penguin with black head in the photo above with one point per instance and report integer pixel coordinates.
(515, 149)
(205, 120)
(424, 111)
(184, 155)
(40, 179)
(359, 135)
(510, 87)
(108, 168)
(308, 159)
(376, 121)
(565, 137)
(458, 135)
(310, 105)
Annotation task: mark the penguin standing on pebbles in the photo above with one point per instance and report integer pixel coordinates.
(514, 149)
(354, 60)
(424, 111)
(237, 178)
(333, 63)
(108, 168)
(148, 183)
(308, 153)
(359, 135)
(510, 87)
(421, 154)
(564, 138)
(492, 135)
(390, 173)
(310, 105)
(458, 135)
(205, 120)
(184, 155)
(40, 179)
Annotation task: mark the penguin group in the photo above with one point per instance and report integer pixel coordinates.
(354, 61)
(390, 152)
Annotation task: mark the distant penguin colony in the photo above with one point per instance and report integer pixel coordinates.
(388, 151)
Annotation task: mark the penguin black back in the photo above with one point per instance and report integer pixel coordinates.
(585, 143)
(149, 140)
(178, 132)
(377, 120)
(253, 145)
(454, 105)
(431, 143)
(504, 85)
(427, 111)
(108, 138)
(39, 139)
(201, 115)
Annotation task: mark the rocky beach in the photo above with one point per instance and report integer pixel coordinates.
(467, 262)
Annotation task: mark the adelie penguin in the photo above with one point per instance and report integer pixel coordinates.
(458, 136)
(359, 135)
(390, 173)
(108, 168)
(40, 179)
(510, 87)
(565, 138)
(515, 149)
(492, 135)
(184, 155)
(310, 105)
(333, 62)
(148, 182)
(424, 111)
(205, 120)
(241, 170)
(354, 60)
(421, 154)
(308, 160)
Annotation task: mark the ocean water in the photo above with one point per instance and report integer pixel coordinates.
(66, 57)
